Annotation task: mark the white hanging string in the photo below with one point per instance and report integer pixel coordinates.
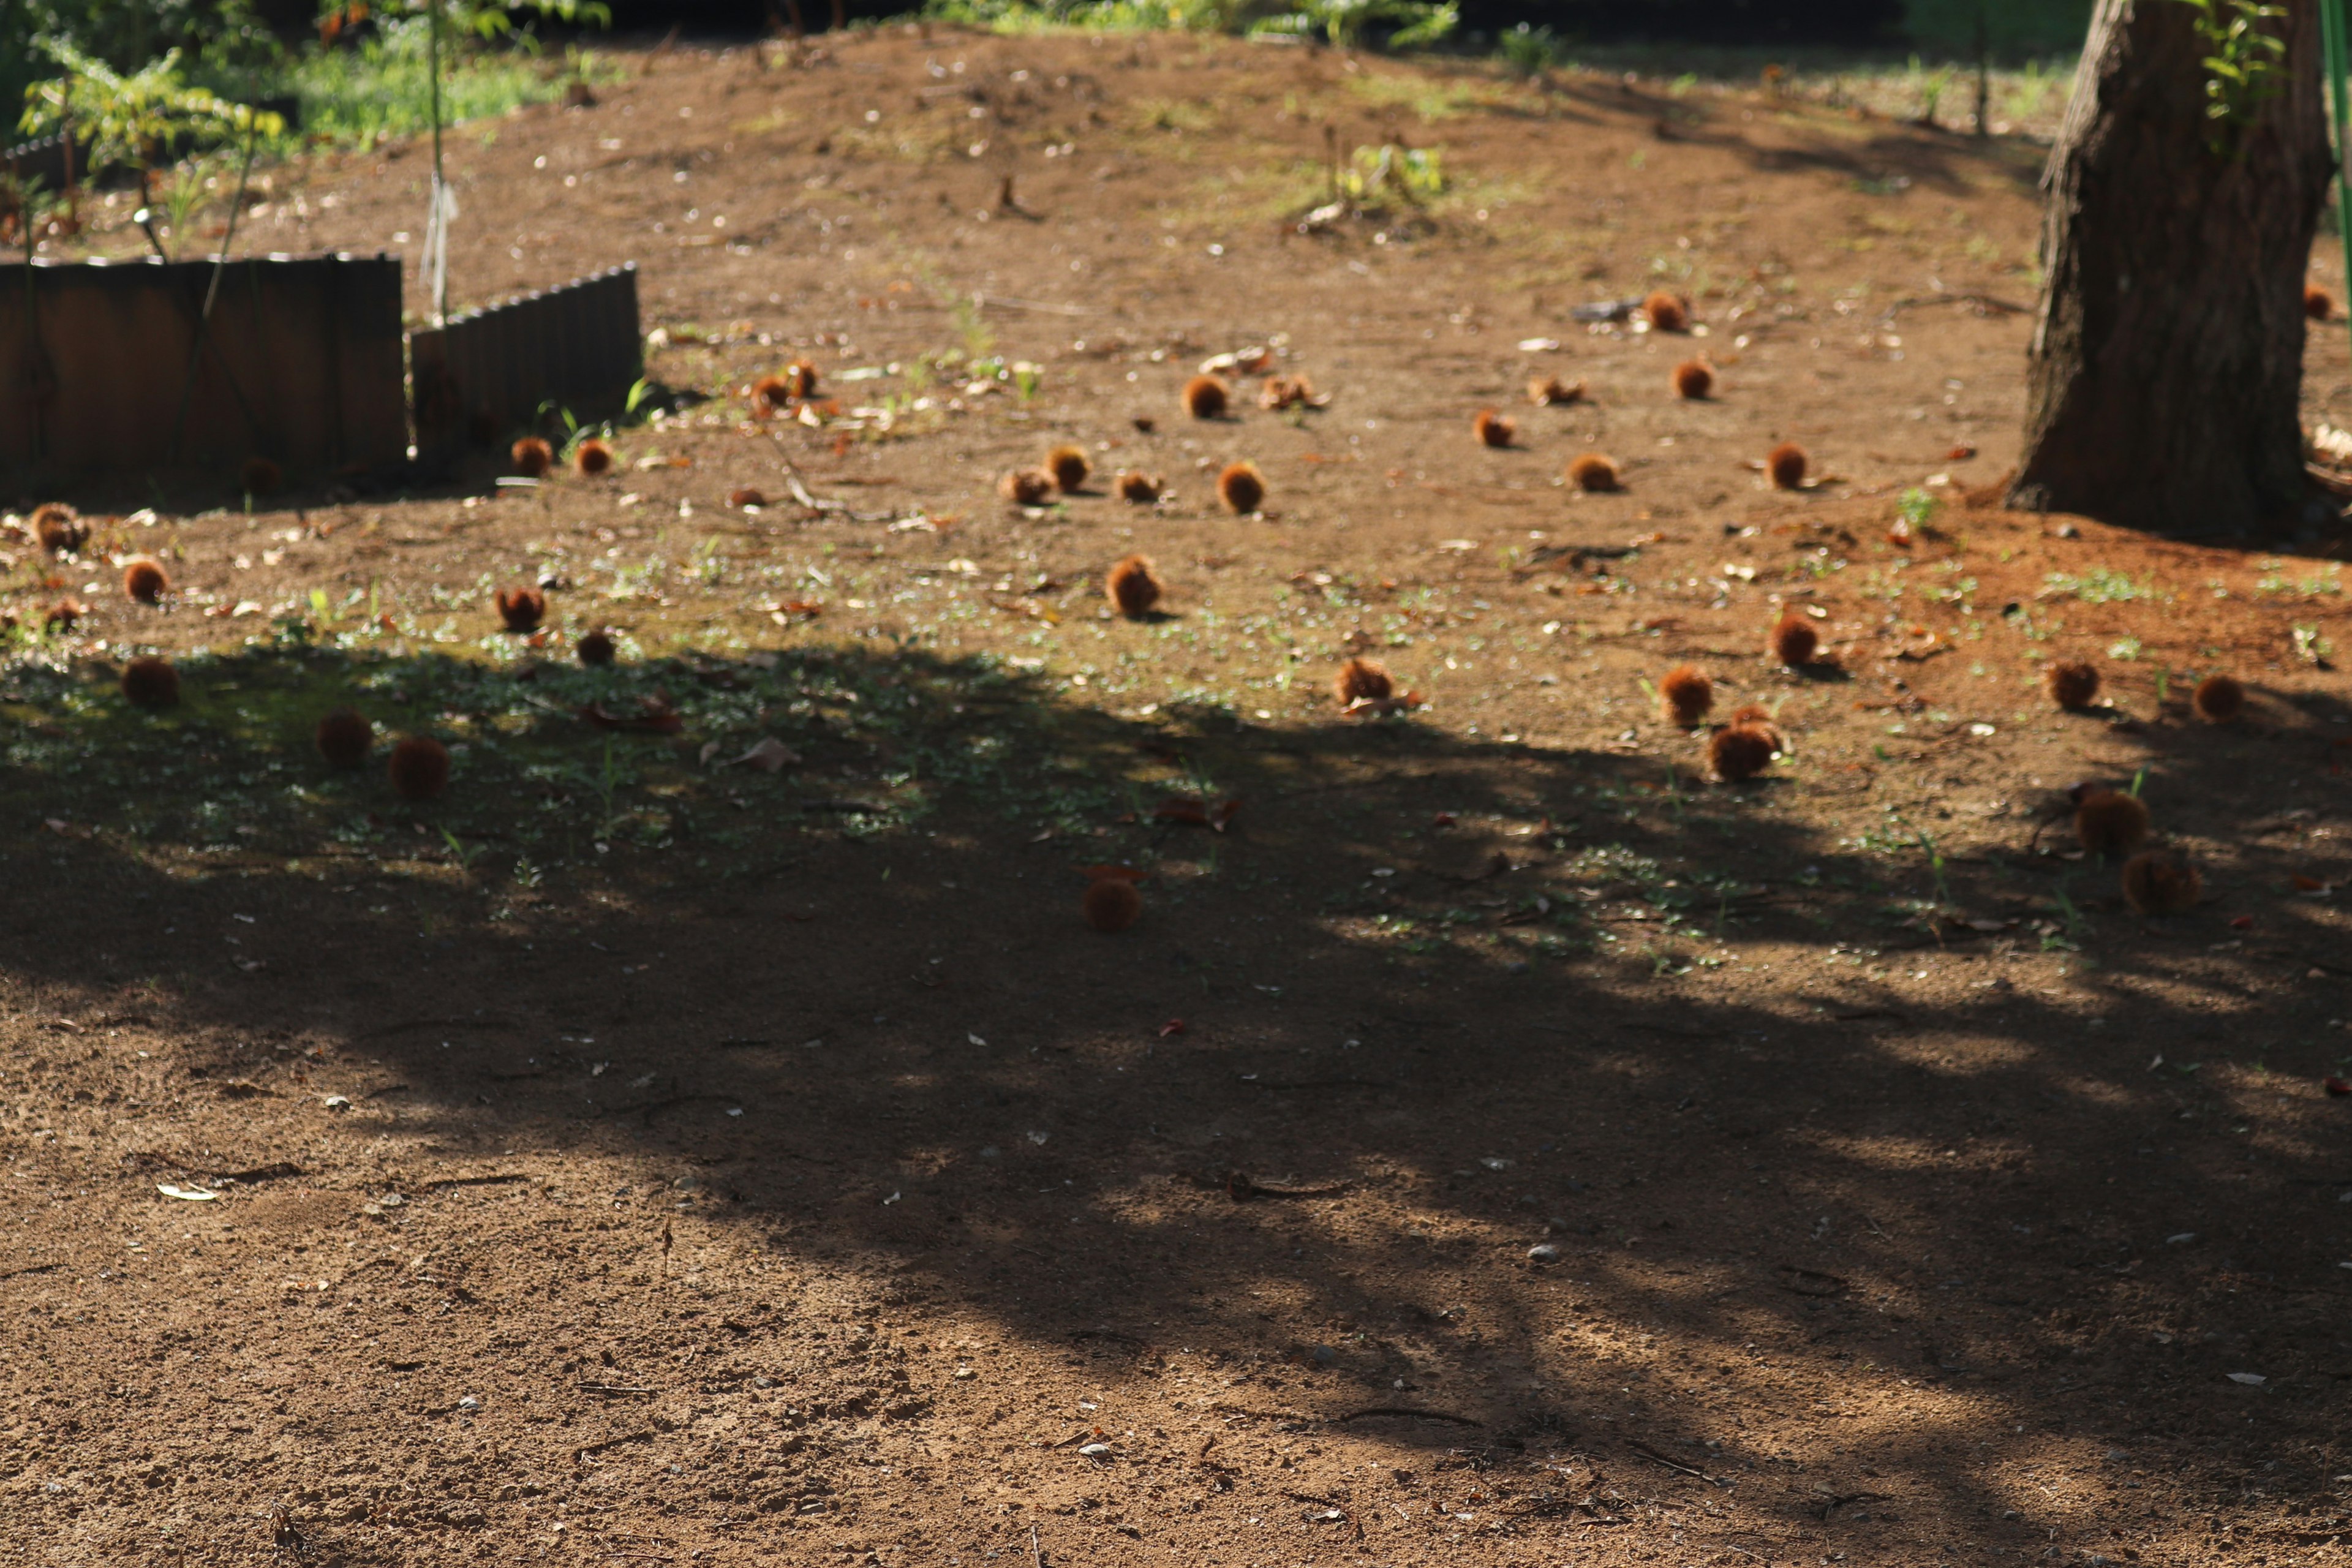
(436, 246)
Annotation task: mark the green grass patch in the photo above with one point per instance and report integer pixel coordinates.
(383, 88)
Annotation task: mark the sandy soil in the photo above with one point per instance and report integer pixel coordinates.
(1495, 1143)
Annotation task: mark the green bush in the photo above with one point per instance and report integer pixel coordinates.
(383, 86)
(1407, 24)
(127, 34)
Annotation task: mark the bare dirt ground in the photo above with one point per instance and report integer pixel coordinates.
(1499, 1144)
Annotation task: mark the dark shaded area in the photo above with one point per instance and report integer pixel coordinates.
(1853, 23)
(884, 974)
(1928, 157)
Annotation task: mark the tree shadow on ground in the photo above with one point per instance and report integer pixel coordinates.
(1429, 1003)
(1881, 162)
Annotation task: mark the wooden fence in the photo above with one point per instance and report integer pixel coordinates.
(493, 371)
(106, 367)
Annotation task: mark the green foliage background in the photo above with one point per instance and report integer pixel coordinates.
(226, 45)
(2016, 30)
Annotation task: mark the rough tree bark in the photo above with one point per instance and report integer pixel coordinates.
(2167, 362)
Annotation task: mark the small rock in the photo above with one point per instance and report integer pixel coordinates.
(1098, 1452)
(1543, 1252)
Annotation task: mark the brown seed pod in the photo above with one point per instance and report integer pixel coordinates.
(1785, 466)
(145, 581)
(1794, 641)
(1544, 391)
(1362, 680)
(1111, 904)
(1205, 397)
(1756, 716)
(1694, 379)
(1592, 471)
(1741, 751)
(2072, 684)
(2217, 698)
(747, 496)
(593, 457)
(1667, 313)
(60, 527)
(1241, 488)
(770, 395)
(2159, 882)
(1132, 587)
(1069, 467)
(420, 768)
(260, 476)
(1140, 489)
(1026, 487)
(2111, 822)
(521, 608)
(150, 681)
(1494, 429)
(531, 457)
(2317, 302)
(344, 738)
(595, 649)
(1684, 696)
(61, 616)
(1279, 392)
(800, 376)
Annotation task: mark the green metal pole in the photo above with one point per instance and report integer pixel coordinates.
(440, 223)
(2332, 41)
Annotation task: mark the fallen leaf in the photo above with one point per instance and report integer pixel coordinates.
(770, 756)
(186, 1194)
(1176, 1027)
(1380, 707)
(655, 719)
(2335, 1087)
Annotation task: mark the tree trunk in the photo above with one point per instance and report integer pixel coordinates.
(2167, 363)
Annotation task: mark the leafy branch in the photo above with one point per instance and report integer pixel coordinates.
(1341, 23)
(2244, 66)
(130, 116)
